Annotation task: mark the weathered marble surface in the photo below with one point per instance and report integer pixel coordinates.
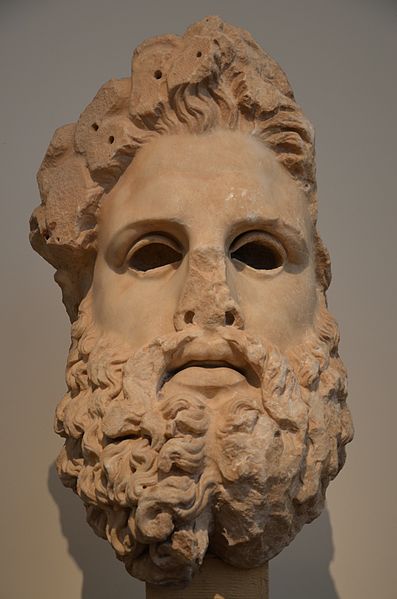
(206, 403)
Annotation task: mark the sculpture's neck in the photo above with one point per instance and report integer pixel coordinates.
(217, 580)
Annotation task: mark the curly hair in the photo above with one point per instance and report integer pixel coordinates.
(214, 76)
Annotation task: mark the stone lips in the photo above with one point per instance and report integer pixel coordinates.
(207, 375)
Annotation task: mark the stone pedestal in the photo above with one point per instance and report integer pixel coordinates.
(217, 580)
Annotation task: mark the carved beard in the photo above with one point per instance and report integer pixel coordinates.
(167, 475)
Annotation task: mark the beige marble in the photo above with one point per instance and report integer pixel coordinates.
(206, 404)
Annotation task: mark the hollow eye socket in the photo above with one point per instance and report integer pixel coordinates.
(259, 250)
(153, 252)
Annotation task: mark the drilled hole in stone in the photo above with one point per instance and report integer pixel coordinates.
(95, 126)
(189, 316)
(158, 74)
(111, 139)
(199, 54)
(229, 318)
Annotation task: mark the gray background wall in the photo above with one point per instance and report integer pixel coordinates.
(340, 57)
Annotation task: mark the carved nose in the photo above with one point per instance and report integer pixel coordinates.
(207, 299)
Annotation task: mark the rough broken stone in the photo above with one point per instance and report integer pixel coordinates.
(206, 403)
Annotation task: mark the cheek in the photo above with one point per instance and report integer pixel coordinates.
(137, 309)
(280, 308)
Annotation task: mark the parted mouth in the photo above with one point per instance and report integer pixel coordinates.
(205, 364)
(213, 356)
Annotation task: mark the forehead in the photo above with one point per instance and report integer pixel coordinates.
(220, 149)
(225, 175)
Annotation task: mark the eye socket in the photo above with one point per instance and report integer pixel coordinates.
(153, 252)
(259, 250)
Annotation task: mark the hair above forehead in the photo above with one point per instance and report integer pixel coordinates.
(214, 76)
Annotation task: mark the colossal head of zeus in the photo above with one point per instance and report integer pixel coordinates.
(206, 403)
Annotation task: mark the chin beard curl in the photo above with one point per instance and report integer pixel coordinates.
(166, 477)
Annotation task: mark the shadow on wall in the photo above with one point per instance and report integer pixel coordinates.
(301, 571)
(104, 577)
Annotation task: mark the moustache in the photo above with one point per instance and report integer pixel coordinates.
(145, 373)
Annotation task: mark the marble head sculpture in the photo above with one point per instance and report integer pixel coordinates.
(206, 402)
